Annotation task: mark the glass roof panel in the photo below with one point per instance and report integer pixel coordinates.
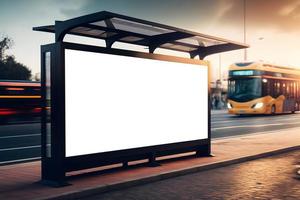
(108, 34)
(207, 41)
(200, 41)
(178, 47)
(136, 27)
(87, 31)
(99, 23)
(140, 32)
(131, 39)
(190, 40)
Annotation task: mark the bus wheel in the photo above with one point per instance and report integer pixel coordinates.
(273, 110)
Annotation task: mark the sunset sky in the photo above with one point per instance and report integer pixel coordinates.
(273, 26)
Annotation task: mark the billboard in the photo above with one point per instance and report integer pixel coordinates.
(115, 102)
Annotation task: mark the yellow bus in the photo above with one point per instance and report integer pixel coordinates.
(260, 88)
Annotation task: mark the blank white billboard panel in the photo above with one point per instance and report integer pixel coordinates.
(118, 102)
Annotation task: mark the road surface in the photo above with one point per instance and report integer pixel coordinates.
(225, 125)
(20, 140)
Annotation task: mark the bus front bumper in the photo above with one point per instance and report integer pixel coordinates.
(246, 111)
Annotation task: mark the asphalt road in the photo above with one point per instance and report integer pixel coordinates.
(20, 141)
(20, 138)
(225, 125)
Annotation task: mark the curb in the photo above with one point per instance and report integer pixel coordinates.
(135, 182)
(13, 162)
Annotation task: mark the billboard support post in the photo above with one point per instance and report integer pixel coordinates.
(53, 135)
(59, 155)
(152, 161)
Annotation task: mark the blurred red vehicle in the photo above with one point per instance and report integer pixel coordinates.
(19, 97)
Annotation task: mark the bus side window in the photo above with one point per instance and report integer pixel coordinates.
(287, 91)
(278, 88)
(266, 88)
(297, 90)
(297, 93)
(292, 89)
(272, 88)
(283, 88)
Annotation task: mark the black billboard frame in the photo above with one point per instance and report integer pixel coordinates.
(55, 166)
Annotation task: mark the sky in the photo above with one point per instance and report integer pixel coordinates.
(272, 26)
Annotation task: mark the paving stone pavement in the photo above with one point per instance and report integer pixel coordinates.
(267, 178)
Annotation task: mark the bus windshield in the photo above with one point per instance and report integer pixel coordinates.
(245, 89)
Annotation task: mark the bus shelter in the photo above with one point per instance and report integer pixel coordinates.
(105, 105)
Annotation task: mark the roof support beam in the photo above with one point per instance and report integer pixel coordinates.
(158, 40)
(109, 24)
(111, 40)
(202, 52)
(62, 28)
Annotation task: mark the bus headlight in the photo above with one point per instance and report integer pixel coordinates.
(258, 105)
(229, 106)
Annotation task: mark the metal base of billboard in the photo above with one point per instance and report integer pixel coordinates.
(152, 161)
(204, 151)
(58, 178)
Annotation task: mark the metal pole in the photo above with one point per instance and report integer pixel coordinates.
(220, 67)
(245, 50)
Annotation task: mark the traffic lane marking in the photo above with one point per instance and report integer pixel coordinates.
(254, 126)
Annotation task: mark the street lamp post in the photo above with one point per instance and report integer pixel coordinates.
(220, 67)
(245, 50)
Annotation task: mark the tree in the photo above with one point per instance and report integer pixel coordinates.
(9, 68)
(5, 44)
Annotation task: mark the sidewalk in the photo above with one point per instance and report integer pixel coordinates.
(221, 111)
(20, 181)
(258, 179)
